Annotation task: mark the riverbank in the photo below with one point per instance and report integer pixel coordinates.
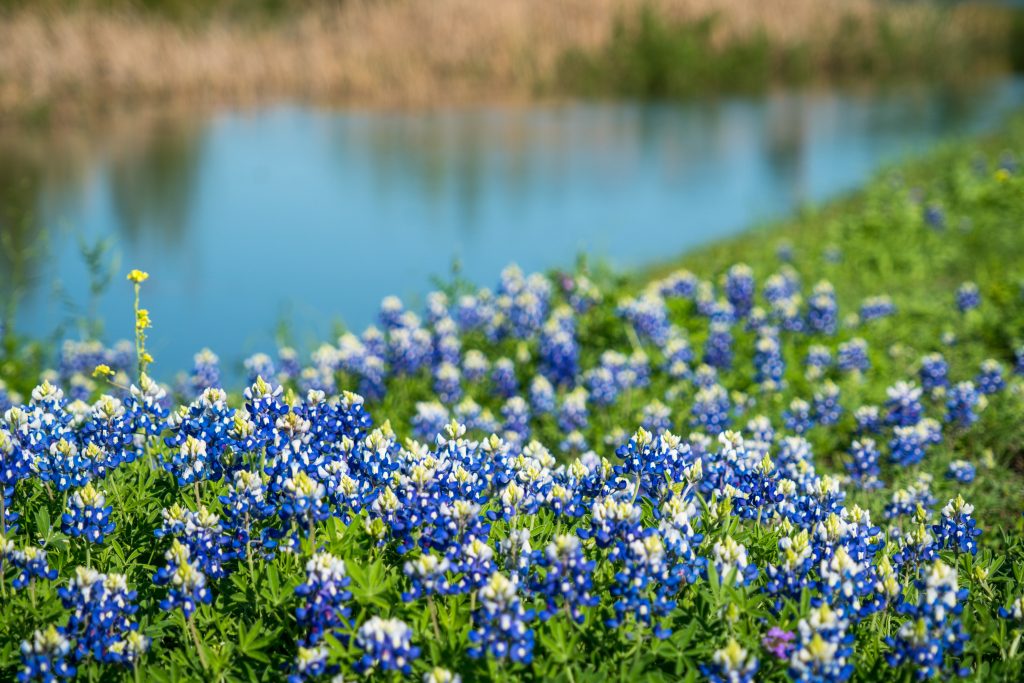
(276, 531)
(59, 60)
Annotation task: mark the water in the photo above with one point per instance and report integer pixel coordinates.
(308, 216)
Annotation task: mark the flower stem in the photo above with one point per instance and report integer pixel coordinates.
(195, 638)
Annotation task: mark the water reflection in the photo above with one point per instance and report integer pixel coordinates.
(245, 217)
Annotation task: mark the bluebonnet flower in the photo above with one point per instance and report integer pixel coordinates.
(957, 529)
(705, 376)
(967, 297)
(504, 378)
(441, 675)
(391, 310)
(678, 356)
(730, 664)
(710, 409)
(647, 582)
(566, 582)
(817, 361)
(559, 352)
(187, 587)
(826, 408)
(731, 564)
(903, 407)
(824, 647)
(288, 361)
(475, 365)
(863, 464)
(934, 216)
(601, 385)
(934, 372)
(648, 316)
(387, 646)
(1018, 365)
(822, 311)
(906, 501)
(409, 347)
(868, 420)
(542, 395)
(427, 576)
(45, 657)
(875, 307)
(656, 417)
(769, 366)
(87, 516)
(324, 596)
(573, 413)
(682, 284)
(907, 446)
(797, 417)
(516, 413)
(1014, 611)
(961, 402)
(447, 345)
(448, 383)
(932, 638)
(429, 420)
(739, 288)
(581, 293)
(501, 624)
(258, 365)
(245, 504)
(853, 356)
(101, 608)
(7, 397)
(990, 377)
(205, 373)
(32, 563)
(129, 649)
(574, 443)
(718, 347)
(311, 663)
(961, 471)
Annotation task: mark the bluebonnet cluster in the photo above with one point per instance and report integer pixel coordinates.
(989, 379)
(324, 598)
(387, 646)
(876, 307)
(87, 516)
(852, 356)
(967, 297)
(934, 372)
(454, 507)
(46, 657)
(731, 664)
(101, 621)
(501, 623)
(962, 401)
(932, 638)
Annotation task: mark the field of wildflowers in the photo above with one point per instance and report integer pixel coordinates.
(796, 455)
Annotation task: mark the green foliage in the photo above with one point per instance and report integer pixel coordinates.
(652, 56)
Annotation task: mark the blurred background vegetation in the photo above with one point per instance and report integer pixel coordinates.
(59, 54)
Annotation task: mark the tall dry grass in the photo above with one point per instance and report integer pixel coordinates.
(402, 51)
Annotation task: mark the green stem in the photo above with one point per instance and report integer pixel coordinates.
(433, 616)
(195, 637)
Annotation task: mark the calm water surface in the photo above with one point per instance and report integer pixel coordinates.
(310, 216)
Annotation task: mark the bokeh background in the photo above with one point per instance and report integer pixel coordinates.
(279, 166)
